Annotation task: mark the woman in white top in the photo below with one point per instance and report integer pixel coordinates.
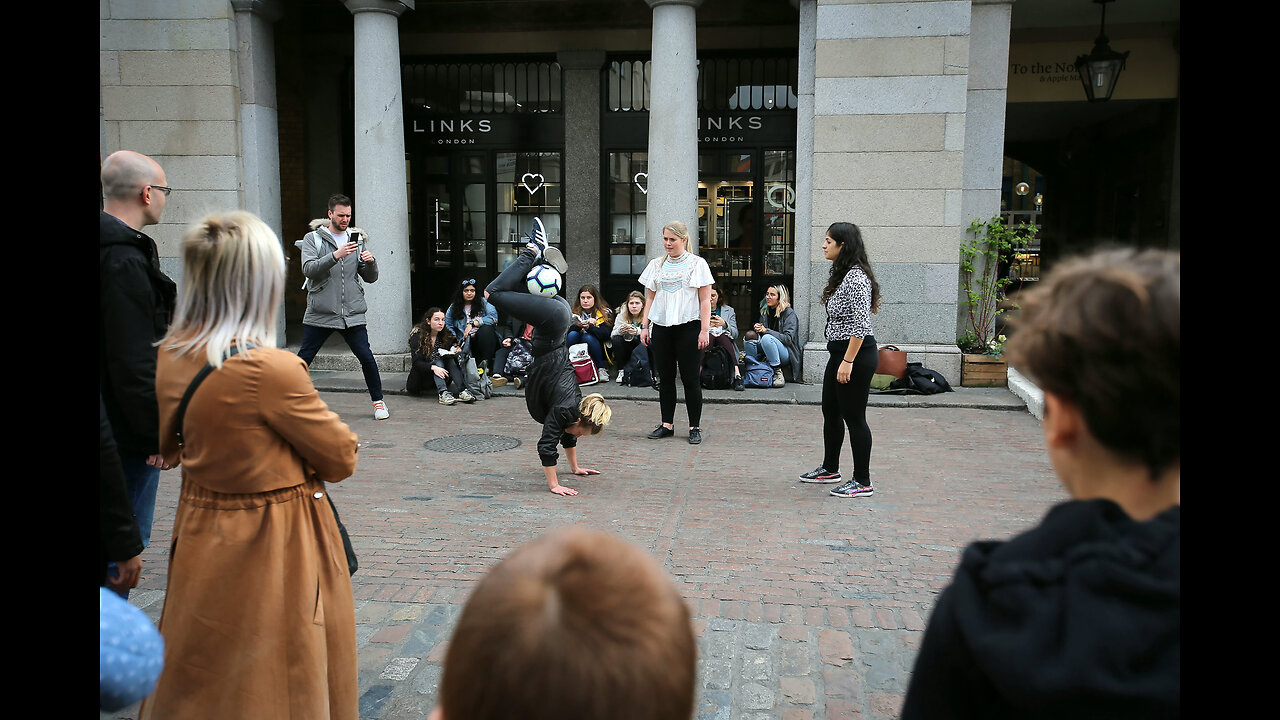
(676, 325)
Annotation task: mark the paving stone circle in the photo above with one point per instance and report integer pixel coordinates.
(472, 444)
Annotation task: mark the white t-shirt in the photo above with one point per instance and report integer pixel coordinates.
(675, 284)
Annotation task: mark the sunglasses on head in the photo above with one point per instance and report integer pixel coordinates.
(465, 283)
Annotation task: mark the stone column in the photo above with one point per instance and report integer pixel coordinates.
(809, 273)
(581, 171)
(890, 91)
(673, 121)
(380, 195)
(259, 120)
(988, 63)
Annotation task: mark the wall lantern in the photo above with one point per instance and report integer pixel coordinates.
(1039, 202)
(1100, 69)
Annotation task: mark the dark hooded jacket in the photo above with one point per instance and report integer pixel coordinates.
(135, 304)
(1077, 618)
(553, 398)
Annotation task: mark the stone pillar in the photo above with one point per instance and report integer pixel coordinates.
(673, 122)
(259, 121)
(581, 171)
(380, 195)
(988, 63)
(809, 274)
(890, 92)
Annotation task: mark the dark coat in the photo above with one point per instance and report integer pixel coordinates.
(1078, 617)
(118, 535)
(135, 304)
(553, 398)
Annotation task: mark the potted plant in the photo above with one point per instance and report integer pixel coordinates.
(987, 242)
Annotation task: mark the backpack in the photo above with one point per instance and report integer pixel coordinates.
(637, 372)
(921, 379)
(519, 358)
(756, 373)
(717, 369)
(583, 366)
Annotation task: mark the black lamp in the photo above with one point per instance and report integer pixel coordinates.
(1100, 69)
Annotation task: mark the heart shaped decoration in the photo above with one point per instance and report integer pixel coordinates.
(643, 188)
(527, 177)
(788, 199)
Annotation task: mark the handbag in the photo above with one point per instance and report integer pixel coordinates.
(478, 383)
(584, 368)
(891, 361)
(352, 563)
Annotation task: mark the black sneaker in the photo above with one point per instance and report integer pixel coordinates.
(737, 383)
(853, 488)
(695, 436)
(661, 432)
(820, 475)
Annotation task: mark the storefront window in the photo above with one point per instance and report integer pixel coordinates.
(628, 185)
(779, 212)
(529, 185)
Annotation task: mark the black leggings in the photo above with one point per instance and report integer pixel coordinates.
(549, 316)
(846, 404)
(672, 346)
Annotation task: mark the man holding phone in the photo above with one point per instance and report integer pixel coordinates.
(334, 260)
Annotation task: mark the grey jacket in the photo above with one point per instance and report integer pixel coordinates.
(335, 295)
(786, 329)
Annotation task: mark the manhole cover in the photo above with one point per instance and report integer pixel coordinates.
(473, 444)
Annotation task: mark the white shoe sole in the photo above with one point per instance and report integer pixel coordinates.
(553, 257)
(823, 481)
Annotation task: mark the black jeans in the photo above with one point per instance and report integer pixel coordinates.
(678, 346)
(357, 338)
(846, 405)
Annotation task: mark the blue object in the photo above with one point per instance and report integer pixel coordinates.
(130, 653)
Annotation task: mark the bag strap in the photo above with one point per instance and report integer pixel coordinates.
(195, 383)
(890, 347)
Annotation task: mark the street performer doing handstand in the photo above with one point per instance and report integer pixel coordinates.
(552, 393)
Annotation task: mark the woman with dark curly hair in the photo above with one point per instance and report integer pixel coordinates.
(851, 295)
(434, 352)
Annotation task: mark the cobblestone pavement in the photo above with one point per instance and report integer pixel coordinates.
(805, 605)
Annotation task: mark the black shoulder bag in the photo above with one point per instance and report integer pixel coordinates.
(352, 563)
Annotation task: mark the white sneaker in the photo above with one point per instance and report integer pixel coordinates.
(778, 380)
(447, 398)
(380, 410)
(602, 375)
(466, 396)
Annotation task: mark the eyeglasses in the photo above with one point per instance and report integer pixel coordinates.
(162, 188)
(465, 283)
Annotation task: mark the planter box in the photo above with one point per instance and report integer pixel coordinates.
(983, 371)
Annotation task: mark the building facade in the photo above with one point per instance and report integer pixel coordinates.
(759, 123)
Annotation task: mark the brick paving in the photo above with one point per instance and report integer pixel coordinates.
(805, 605)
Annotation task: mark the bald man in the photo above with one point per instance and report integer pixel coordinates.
(136, 302)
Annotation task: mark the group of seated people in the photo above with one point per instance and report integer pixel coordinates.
(470, 328)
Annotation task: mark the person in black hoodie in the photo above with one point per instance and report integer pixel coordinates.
(1080, 616)
(552, 393)
(135, 305)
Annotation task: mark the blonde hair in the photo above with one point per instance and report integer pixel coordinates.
(232, 285)
(595, 413)
(624, 312)
(680, 230)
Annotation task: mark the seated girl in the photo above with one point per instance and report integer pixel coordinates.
(474, 321)
(776, 338)
(591, 323)
(434, 351)
(724, 330)
(626, 334)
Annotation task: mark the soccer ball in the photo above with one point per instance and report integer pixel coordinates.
(544, 280)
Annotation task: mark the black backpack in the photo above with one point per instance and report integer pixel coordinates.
(922, 380)
(717, 369)
(636, 371)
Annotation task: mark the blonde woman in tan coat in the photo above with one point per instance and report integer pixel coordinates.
(258, 617)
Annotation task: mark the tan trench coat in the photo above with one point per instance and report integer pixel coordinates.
(258, 620)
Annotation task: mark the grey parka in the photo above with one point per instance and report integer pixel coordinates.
(335, 295)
